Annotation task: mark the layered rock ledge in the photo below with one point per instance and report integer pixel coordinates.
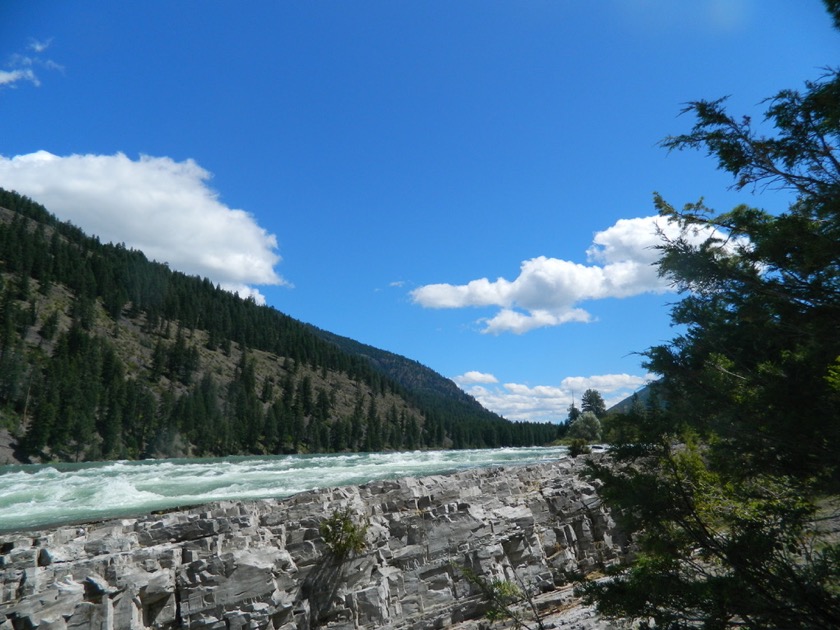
(264, 564)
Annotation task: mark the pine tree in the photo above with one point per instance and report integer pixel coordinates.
(594, 402)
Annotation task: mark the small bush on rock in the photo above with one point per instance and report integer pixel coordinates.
(579, 446)
(342, 534)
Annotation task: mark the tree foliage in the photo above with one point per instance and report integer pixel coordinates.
(586, 427)
(594, 402)
(507, 601)
(342, 534)
(731, 482)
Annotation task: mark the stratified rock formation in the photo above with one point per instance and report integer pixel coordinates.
(264, 564)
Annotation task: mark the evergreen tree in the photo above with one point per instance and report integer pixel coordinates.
(729, 482)
(50, 326)
(373, 428)
(592, 401)
(356, 423)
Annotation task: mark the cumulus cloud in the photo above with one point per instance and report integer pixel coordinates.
(20, 68)
(542, 403)
(155, 204)
(473, 377)
(548, 291)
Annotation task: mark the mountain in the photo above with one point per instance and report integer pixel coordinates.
(642, 397)
(418, 380)
(105, 354)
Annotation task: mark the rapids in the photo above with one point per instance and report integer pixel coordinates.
(37, 496)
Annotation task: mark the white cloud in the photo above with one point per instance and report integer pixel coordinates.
(10, 77)
(509, 320)
(607, 384)
(542, 403)
(629, 240)
(39, 46)
(155, 204)
(473, 377)
(548, 291)
(21, 68)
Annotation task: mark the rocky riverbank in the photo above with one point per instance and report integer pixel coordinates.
(265, 564)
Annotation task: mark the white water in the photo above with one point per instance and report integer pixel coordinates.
(43, 495)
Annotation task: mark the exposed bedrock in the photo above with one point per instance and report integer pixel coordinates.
(264, 564)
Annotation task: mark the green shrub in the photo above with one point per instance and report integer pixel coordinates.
(579, 446)
(342, 534)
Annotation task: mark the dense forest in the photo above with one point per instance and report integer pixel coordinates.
(105, 354)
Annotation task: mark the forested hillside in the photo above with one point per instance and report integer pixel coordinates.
(104, 354)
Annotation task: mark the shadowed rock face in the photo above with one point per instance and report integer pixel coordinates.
(264, 564)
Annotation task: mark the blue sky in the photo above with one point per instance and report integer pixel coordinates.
(467, 183)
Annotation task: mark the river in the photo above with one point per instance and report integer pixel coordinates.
(37, 496)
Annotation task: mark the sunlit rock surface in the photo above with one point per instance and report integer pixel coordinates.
(264, 564)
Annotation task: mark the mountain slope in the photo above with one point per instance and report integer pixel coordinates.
(415, 377)
(105, 354)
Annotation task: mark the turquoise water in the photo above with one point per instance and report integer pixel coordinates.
(43, 495)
